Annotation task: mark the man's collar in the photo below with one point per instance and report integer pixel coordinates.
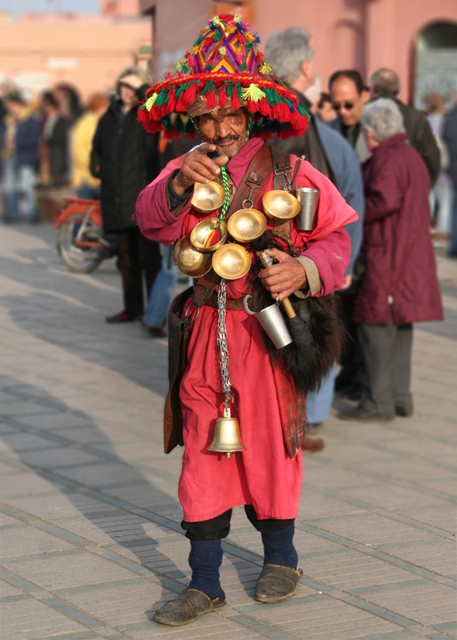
(236, 166)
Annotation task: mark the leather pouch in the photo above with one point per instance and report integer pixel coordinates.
(178, 339)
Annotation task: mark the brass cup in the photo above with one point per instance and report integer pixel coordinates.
(231, 261)
(208, 197)
(246, 225)
(201, 232)
(280, 205)
(189, 260)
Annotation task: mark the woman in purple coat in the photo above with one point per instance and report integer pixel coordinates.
(400, 285)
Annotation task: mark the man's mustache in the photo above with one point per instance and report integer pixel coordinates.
(232, 136)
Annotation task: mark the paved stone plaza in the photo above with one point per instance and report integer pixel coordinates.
(91, 543)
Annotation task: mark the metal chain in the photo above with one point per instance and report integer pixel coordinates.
(222, 342)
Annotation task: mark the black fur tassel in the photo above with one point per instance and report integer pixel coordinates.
(310, 365)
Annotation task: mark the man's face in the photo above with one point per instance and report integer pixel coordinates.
(128, 96)
(225, 128)
(347, 102)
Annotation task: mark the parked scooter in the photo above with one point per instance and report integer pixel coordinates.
(81, 243)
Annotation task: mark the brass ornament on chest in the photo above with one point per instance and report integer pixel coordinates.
(280, 205)
(189, 260)
(231, 261)
(246, 225)
(208, 235)
(208, 197)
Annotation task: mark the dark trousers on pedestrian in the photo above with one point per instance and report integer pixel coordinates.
(387, 354)
(219, 527)
(137, 256)
(351, 359)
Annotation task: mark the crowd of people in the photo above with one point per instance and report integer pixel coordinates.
(42, 144)
(374, 160)
(358, 127)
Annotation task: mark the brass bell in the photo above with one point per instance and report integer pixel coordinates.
(280, 205)
(227, 437)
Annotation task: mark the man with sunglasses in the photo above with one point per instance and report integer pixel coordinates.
(348, 95)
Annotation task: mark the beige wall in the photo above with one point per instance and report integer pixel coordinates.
(88, 52)
(176, 27)
(360, 34)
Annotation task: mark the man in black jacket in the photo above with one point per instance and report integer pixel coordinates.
(385, 83)
(126, 159)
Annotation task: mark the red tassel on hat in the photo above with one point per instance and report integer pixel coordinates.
(281, 112)
(171, 101)
(187, 97)
(210, 99)
(222, 96)
(235, 101)
(265, 108)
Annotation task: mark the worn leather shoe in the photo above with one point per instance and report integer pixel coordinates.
(360, 414)
(312, 444)
(123, 316)
(190, 604)
(277, 583)
(405, 411)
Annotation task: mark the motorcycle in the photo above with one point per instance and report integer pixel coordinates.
(81, 244)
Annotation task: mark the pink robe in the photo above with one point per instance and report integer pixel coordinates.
(262, 476)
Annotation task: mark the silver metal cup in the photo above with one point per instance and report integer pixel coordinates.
(309, 201)
(272, 322)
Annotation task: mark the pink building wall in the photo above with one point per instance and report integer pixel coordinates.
(360, 34)
(37, 51)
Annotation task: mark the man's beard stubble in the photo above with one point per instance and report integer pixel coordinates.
(232, 150)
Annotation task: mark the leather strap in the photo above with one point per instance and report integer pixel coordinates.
(259, 168)
(282, 171)
(233, 304)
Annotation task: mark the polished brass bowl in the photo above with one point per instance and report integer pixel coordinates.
(231, 261)
(246, 225)
(208, 197)
(280, 205)
(201, 235)
(189, 260)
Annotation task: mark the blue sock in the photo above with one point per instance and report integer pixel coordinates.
(205, 558)
(279, 548)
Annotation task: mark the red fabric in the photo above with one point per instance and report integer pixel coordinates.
(263, 476)
(400, 283)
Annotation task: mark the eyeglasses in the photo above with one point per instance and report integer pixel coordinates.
(347, 106)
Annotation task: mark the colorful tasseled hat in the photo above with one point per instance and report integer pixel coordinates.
(223, 69)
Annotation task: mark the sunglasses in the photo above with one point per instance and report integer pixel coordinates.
(337, 106)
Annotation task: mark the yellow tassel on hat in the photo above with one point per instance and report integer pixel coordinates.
(253, 93)
(150, 101)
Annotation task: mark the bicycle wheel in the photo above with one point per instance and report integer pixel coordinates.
(78, 259)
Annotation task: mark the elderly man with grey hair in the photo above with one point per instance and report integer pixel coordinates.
(381, 120)
(385, 83)
(292, 57)
(400, 285)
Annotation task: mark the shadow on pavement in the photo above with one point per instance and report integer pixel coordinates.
(66, 448)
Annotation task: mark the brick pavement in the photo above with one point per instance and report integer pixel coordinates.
(91, 542)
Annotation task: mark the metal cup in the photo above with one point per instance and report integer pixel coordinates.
(272, 322)
(309, 200)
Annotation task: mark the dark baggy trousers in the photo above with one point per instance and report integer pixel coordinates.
(219, 527)
(351, 359)
(137, 256)
(387, 353)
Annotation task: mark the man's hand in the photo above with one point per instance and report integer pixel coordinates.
(285, 277)
(197, 167)
(347, 281)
